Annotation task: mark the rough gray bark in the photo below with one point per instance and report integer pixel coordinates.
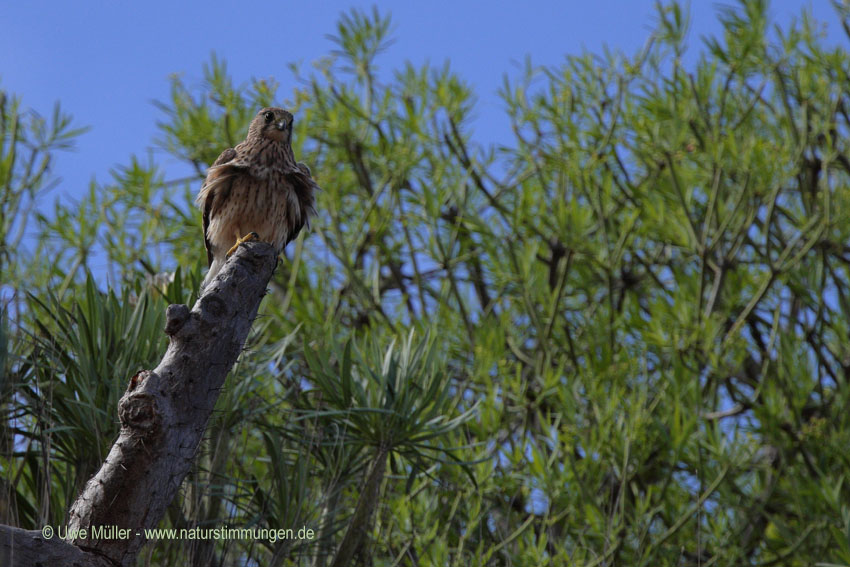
(30, 548)
(163, 416)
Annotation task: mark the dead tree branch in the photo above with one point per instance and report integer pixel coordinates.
(163, 414)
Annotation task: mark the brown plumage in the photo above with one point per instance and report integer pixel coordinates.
(256, 187)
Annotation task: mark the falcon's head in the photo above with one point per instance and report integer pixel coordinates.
(272, 123)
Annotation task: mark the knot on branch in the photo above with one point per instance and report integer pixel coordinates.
(213, 305)
(176, 316)
(140, 414)
(137, 379)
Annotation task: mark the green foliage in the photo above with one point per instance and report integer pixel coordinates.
(67, 386)
(621, 338)
(27, 143)
(398, 398)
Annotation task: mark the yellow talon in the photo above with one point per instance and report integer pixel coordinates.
(250, 237)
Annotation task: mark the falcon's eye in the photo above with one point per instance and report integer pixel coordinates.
(269, 116)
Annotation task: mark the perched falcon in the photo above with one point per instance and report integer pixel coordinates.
(256, 191)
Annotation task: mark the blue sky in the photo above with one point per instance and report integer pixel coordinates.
(107, 61)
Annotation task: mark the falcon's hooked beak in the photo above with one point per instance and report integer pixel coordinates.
(280, 125)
